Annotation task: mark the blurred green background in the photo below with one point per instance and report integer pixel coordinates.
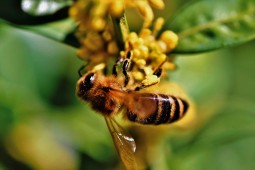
(44, 126)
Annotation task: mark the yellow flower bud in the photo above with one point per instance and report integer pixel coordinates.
(161, 58)
(132, 37)
(146, 11)
(123, 54)
(136, 53)
(93, 42)
(144, 51)
(81, 4)
(145, 32)
(170, 38)
(116, 8)
(158, 25)
(169, 66)
(140, 62)
(83, 27)
(112, 48)
(159, 4)
(73, 12)
(98, 23)
(138, 75)
(83, 53)
(162, 45)
(98, 9)
(107, 36)
(153, 55)
(138, 43)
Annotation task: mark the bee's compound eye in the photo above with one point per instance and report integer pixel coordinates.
(88, 81)
(85, 84)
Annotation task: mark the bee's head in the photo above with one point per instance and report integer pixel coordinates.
(85, 83)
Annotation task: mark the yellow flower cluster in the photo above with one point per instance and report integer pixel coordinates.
(95, 33)
(92, 14)
(98, 40)
(149, 53)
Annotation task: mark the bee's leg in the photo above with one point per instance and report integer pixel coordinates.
(125, 67)
(158, 71)
(142, 86)
(114, 68)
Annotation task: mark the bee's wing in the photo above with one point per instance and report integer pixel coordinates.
(123, 142)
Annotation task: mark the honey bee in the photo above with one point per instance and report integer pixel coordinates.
(108, 96)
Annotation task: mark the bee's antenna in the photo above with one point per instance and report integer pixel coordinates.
(80, 70)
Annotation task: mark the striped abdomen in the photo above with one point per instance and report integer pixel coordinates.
(149, 108)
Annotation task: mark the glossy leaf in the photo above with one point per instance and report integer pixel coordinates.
(43, 7)
(62, 31)
(208, 25)
(23, 13)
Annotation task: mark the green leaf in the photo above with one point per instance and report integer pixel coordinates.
(43, 7)
(62, 31)
(208, 25)
(57, 31)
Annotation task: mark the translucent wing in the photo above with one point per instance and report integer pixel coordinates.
(123, 142)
